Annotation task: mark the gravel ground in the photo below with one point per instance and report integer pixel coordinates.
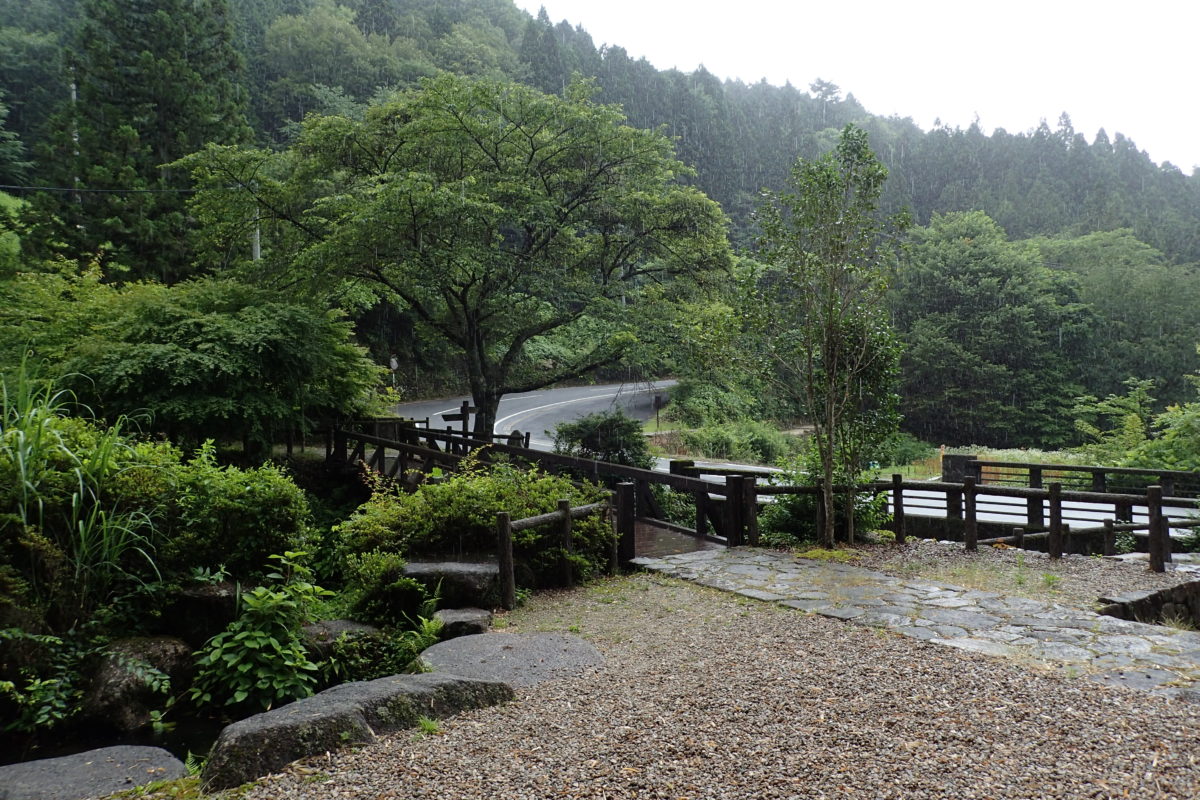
(710, 696)
(1078, 580)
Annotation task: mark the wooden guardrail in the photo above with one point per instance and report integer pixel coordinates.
(729, 509)
(563, 518)
(1079, 477)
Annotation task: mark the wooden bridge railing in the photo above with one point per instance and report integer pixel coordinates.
(1128, 480)
(563, 517)
(730, 508)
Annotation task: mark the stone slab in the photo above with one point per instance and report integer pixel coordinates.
(346, 714)
(519, 659)
(92, 774)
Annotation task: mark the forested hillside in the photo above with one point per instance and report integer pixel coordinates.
(301, 56)
(1098, 242)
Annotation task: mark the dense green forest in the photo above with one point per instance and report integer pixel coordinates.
(1094, 247)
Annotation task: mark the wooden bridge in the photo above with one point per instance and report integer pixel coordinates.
(1017, 504)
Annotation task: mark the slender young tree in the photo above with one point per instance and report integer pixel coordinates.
(822, 308)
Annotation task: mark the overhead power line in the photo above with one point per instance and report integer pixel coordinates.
(8, 187)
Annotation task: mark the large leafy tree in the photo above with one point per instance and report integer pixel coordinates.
(208, 358)
(1149, 311)
(154, 80)
(996, 342)
(500, 217)
(823, 310)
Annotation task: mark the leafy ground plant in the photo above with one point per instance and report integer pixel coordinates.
(259, 661)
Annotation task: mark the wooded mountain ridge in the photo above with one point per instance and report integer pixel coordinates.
(334, 56)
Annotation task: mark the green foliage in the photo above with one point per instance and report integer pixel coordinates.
(1116, 426)
(697, 404)
(206, 359)
(378, 591)
(1147, 311)
(41, 676)
(259, 660)
(458, 515)
(231, 519)
(514, 215)
(610, 436)
(903, 448)
(218, 359)
(821, 310)
(70, 542)
(759, 442)
(793, 518)
(364, 657)
(991, 337)
(154, 81)
(1124, 433)
(38, 699)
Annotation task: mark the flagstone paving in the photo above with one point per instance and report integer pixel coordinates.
(1109, 650)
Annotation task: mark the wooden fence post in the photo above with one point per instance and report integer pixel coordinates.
(1055, 540)
(954, 507)
(626, 545)
(564, 541)
(1110, 538)
(339, 445)
(504, 557)
(1019, 537)
(1158, 528)
(970, 523)
(898, 507)
(1035, 515)
(735, 504)
(701, 496)
(750, 509)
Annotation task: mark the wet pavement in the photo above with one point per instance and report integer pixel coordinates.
(1079, 642)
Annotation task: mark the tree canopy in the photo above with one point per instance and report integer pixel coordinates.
(498, 215)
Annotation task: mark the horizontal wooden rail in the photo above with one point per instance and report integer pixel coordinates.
(563, 517)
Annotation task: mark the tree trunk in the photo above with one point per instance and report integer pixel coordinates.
(486, 402)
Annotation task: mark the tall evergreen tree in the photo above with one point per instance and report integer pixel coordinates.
(153, 81)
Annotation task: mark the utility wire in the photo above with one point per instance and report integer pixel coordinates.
(6, 186)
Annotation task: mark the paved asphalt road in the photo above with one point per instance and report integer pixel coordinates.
(538, 412)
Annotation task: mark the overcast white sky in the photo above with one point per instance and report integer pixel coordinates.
(1132, 67)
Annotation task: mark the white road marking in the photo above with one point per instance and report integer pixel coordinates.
(502, 420)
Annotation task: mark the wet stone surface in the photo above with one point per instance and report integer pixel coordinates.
(1112, 651)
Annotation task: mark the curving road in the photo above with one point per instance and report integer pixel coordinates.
(538, 412)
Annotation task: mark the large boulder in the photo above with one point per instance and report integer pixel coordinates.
(519, 659)
(198, 613)
(96, 773)
(321, 637)
(122, 695)
(458, 583)
(463, 621)
(346, 714)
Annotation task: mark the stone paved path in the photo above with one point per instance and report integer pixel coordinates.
(1106, 649)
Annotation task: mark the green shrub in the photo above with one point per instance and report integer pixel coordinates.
(379, 593)
(793, 518)
(231, 517)
(364, 657)
(903, 448)
(69, 540)
(458, 516)
(259, 660)
(740, 441)
(696, 405)
(605, 436)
